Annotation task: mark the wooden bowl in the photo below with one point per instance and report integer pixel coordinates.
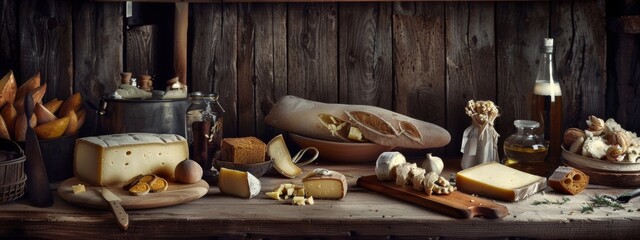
(344, 152)
(599, 165)
(616, 174)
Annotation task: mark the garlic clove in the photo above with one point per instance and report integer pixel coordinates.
(433, 164)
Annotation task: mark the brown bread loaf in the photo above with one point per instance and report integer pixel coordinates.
(243, 150)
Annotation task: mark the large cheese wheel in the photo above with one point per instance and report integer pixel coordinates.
(112, 160)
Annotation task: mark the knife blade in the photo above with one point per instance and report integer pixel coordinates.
(37, 180)
(118, 212)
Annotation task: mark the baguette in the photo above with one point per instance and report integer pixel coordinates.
(332, 122)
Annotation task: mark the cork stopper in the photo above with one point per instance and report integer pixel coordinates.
(547, 45)
(126, 78)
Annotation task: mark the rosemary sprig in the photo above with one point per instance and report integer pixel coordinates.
(599, 201)
(556, 202)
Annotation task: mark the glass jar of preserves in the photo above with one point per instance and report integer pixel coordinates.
(525, 150)
(204, 121)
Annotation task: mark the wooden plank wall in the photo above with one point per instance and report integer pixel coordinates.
(422, 59)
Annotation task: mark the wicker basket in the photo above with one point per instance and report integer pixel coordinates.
(12, 177)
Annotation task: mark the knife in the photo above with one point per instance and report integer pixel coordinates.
(118, 212)
(37, 180)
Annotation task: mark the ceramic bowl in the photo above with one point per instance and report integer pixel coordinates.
(343, 152)
(599, 165)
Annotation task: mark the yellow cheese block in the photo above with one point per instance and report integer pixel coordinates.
(112, 160)
(500, 182)
(325, 184)
(238, 183)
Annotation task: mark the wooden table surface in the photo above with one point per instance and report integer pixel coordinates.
(361, 213)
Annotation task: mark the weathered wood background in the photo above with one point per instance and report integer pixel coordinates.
(422, 59)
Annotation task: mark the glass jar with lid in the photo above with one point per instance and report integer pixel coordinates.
(525, 150)
(204, 121)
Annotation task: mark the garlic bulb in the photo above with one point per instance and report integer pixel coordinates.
(433, 164)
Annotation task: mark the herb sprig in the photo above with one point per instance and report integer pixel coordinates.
(599, 201)
(547, 201)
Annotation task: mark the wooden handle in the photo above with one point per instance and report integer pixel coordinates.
(180, 41)
(122, 218)
(456, 204)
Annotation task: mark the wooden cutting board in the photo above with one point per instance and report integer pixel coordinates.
(456, 204)
(176, 194)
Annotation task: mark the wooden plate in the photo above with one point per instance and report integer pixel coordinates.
(614, 179)
(455, 204)
(342, 151)
(176, 194)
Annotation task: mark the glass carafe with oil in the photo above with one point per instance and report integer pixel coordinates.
(525, 150)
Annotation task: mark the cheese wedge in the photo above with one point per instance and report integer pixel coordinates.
(279, 154)
(238, 183)
(113, 160)
(497, 181)
(386, 164)
(325, 184)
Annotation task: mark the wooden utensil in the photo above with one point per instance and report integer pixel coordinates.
(176, 194)
(37, 180)
(118, 212)
(456, 204)
(181, 23)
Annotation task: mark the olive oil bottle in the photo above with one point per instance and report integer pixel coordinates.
(547, 102)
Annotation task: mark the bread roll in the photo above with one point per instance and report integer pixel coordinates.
(568, 180)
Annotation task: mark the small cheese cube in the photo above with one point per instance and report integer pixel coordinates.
(300, 201)
(78, 188)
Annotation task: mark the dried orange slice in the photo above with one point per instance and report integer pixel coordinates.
(141, 188)
(159, 184)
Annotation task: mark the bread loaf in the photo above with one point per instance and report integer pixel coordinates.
(243, 150)
(568, 180)
(332, 122)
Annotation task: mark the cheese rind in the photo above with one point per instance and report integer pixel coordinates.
(112, 160)
(238, 183)
(500, 182)
(325, 184)
(386, 163)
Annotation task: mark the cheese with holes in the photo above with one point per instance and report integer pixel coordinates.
(386, 164)
(238, 183)
(497, 181)
(112, 160)
(325, 184)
